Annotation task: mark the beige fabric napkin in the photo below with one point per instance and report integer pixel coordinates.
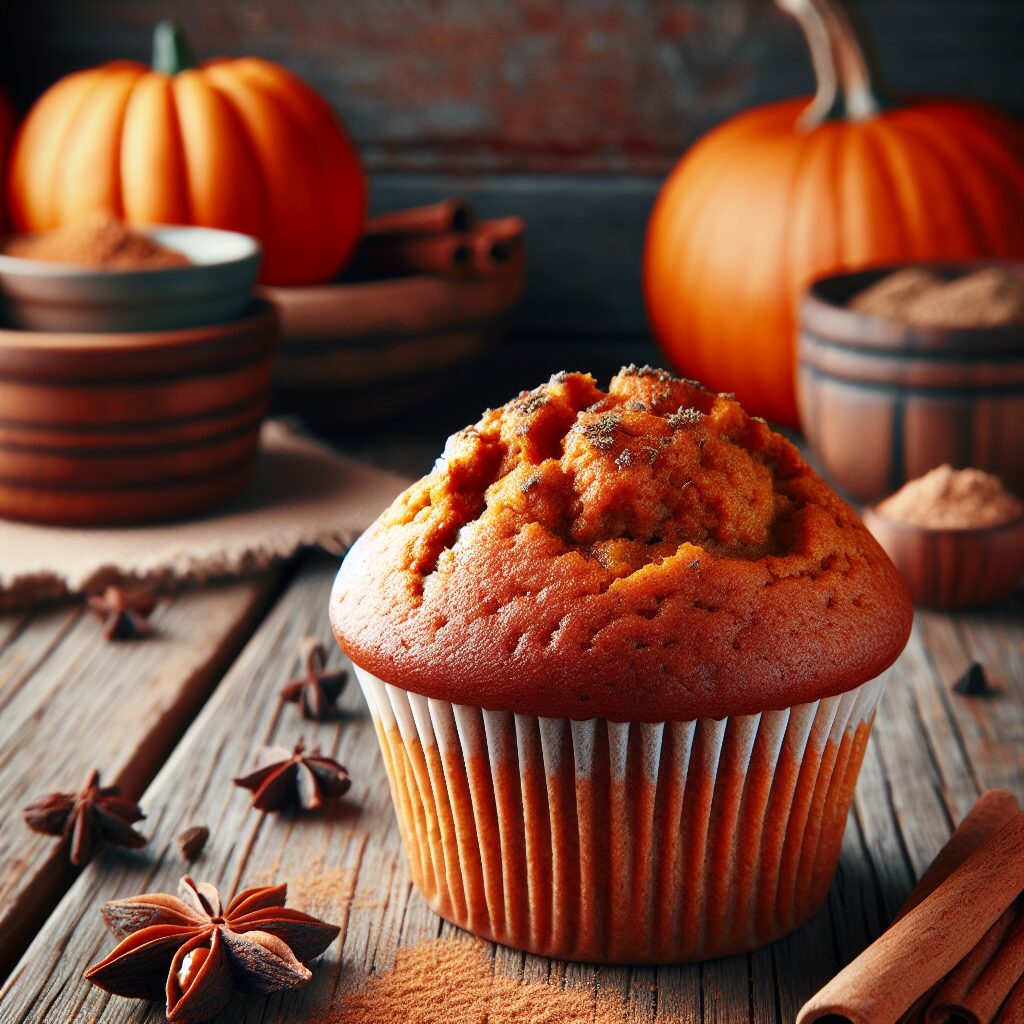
(302, 494)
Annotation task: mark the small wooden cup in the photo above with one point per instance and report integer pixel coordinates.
(952, 568)
(119, 429)
(882, 402)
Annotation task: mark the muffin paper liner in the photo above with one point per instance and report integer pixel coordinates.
(623, 842)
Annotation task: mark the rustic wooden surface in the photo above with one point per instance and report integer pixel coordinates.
(69, 702)
(931, 753)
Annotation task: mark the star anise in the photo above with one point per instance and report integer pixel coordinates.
(282, 778)
(316, 693)
(194, 954)
(82, 819)
(124, 613)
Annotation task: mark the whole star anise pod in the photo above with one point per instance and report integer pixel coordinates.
(124, 614)
(82, 819)
(192, 953)
(316, 693)
(281, 778)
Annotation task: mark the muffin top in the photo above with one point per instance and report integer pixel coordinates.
(651, 553)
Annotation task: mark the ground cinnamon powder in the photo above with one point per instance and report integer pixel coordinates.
(99, 241)
(446, 982)
(953, 499)
(990, 297)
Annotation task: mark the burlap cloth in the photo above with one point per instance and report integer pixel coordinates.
(302, 495)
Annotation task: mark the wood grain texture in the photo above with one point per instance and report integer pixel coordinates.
(931, 753)
(71, 701)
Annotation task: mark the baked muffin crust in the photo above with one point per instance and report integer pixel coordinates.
(646, 554)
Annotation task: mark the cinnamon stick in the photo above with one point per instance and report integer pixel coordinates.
(924, 945)
(393, 255)
(484, 250)
(1013, 1009)
(496, 242)
(991, 811)
(444, 218)
(980, 984)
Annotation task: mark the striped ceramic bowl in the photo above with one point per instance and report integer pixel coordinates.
(115, 429)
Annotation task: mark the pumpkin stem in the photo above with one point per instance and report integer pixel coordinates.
(848, 81)
(171, 49)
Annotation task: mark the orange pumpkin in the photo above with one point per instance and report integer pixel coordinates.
(233, 143)
(787, 192)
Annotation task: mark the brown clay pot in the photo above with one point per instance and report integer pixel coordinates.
(882, 402)
(117, 429)
(952, 568)
(361, 351)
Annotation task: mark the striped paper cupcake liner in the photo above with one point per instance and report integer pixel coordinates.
(622, 842)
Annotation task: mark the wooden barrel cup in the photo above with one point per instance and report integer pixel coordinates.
(882, 403)
(119, 429)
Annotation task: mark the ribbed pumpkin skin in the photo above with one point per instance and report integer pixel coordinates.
(240, 144)
(758, 208)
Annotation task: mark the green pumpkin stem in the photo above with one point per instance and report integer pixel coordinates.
(171, 49)
(849, 83)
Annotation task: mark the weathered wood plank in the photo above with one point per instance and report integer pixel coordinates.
(367, 894)
(71, 702)
(989, 730)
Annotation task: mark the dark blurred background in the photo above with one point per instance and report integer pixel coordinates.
(569, 113)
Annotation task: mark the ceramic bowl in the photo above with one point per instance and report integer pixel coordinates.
(952, 568)
(354, 352)
(41, 296)
(117, 429)
(882, 402)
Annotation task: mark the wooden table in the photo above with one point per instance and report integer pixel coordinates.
(174, 717)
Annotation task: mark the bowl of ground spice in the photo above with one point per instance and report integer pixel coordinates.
(99, 275)
(956, 536)
(903, 368)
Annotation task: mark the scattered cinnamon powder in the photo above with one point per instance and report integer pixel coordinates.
(323, 891)
(953, 499)
(990, 297)
(100, 241)
(444, 982)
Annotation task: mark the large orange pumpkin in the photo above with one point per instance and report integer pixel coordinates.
(785, 192)
(233, 143)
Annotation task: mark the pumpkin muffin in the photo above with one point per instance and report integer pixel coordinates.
(623, 650)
